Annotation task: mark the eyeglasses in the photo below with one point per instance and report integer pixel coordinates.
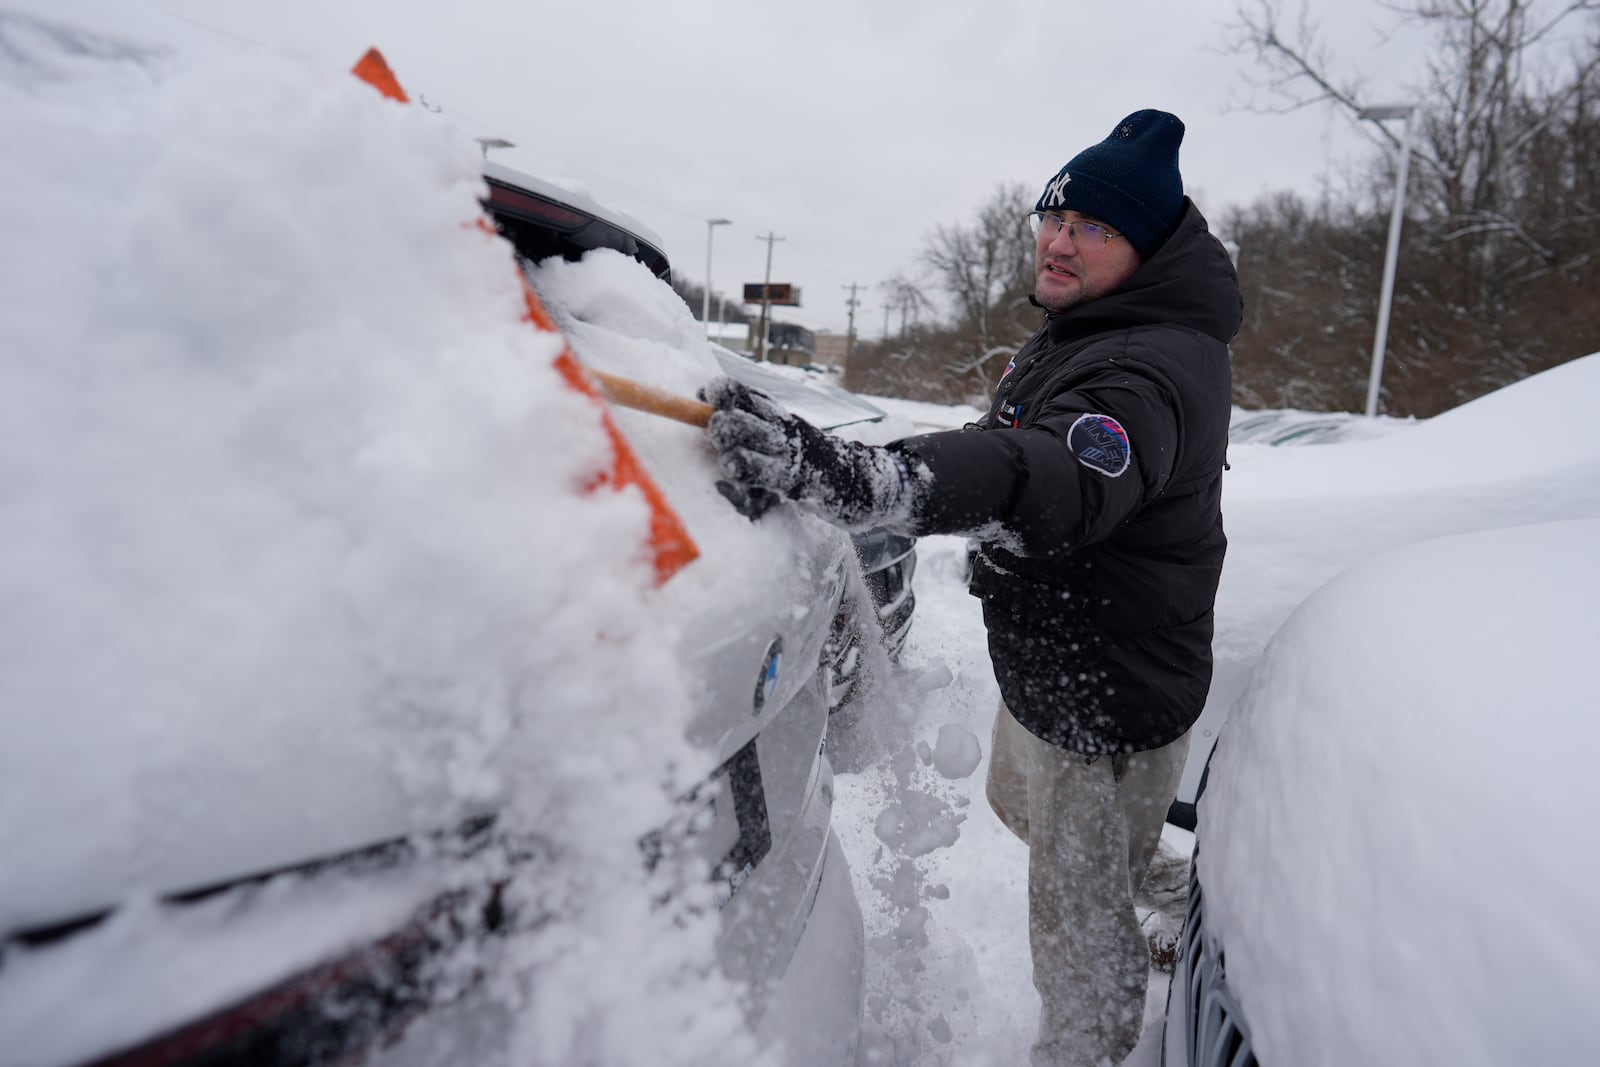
(1083, 234)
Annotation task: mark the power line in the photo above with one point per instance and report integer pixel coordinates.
(817, 262)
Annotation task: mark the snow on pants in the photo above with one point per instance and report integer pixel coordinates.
(1092, 829)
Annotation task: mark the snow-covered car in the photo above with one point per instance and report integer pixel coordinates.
(544, 220)
(1393, 862)
(344, 721)
(1297, 516)
(1288, 427)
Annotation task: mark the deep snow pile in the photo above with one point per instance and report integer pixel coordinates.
(295, 554)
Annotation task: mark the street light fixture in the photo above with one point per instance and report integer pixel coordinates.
(487, 143)
(705, 303)
(1391, 254)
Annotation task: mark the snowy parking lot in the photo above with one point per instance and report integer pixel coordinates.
(311, 552)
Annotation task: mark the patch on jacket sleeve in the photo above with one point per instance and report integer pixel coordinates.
(1101, 444)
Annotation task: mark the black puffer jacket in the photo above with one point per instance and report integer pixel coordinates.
(1095, 483)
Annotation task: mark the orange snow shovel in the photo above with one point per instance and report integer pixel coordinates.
(671, 547)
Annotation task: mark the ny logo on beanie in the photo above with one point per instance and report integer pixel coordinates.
(1052, 192)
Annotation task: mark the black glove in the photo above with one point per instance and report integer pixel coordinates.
(762, 447)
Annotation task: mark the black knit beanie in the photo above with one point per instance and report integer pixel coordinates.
(1129, 181)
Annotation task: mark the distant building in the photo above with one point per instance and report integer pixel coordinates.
(786, 341)
(832, 349)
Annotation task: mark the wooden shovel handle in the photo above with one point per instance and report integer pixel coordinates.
(625, 392)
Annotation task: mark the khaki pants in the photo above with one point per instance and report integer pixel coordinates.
(1091, 829)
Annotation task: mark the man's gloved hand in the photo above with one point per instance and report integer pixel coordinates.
(762, 447)
(748, 500)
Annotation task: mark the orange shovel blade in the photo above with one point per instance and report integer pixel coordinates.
(373, 69)
(671, 547)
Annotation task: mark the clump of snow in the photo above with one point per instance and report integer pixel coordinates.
(602, 298)
(296, 554)
(957, 754)
(1392, 841)
(917, 824)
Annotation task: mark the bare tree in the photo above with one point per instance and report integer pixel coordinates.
(906, 297)
(987, 267)
(1503, 219)
(1475, 116)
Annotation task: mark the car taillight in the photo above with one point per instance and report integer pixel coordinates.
(501, 197)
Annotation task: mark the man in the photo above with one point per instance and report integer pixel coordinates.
(1094, 489)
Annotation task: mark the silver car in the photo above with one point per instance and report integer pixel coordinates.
(351, 917)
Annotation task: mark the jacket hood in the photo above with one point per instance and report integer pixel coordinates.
(1190, 281)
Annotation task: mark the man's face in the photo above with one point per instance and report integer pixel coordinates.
(1073, 263)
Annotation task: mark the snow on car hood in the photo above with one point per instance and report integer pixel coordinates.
(297, 556)
(1535, 427)
(818, 402)
(1295, 517)
(1395, 840)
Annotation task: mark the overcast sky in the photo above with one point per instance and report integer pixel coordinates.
(849, 128)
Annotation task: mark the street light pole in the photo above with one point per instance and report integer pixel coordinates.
(705, 303)
(1392, 253)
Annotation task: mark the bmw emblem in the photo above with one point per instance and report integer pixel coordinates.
(767, 683)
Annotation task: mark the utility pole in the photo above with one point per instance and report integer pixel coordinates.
(766, 294)
(850, 331)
